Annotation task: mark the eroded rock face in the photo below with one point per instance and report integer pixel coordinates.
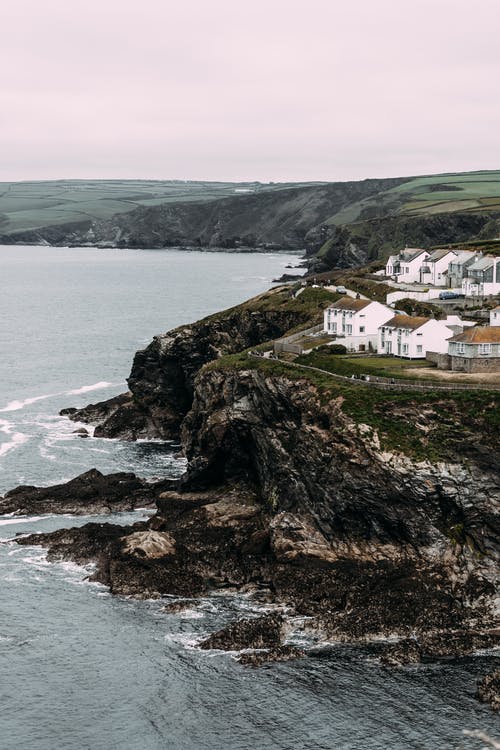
(162, 378)
(91, 492)
(488, 690)
(257, 633)
(149, 544)
(286, 492)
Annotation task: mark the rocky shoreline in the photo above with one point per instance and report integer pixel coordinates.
(369, 519)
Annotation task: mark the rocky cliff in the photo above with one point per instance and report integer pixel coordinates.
(278, 218)
(162, 377)
(358, 243)
(370, 512)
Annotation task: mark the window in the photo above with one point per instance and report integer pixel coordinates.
(349, 329)
(484, 348)
(405, 348)
(419, 349)
(460, 348)
(361, 329)
(419, 334)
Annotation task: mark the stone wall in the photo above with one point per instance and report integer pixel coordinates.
(475, 364)
(443, 361)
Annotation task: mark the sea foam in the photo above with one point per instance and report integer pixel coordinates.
(94, 387)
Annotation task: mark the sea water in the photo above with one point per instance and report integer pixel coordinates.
(82, 670)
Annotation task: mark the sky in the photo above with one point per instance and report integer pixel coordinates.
(269, 90)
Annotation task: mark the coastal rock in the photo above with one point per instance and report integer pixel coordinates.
(162, 378)
(149, 544)
(285, 493)
(91, 492)
(488, 690)
(280, 653)
(258, 633)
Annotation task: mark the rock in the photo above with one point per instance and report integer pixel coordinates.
(81, 432)
(488, 690)
(281, 653)
(162, 378)
(149, 544)
(258, 633)
(91, 492)
(406, 651)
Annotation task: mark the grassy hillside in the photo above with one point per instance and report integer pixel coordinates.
(469, 191)
(338, 224)
(34, 205)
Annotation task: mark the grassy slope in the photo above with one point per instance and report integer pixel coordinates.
(431, 425)
(469, 191)
(33, 205)
(448, 418)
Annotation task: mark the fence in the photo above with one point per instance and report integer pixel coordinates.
(393, 383)
(289, 343)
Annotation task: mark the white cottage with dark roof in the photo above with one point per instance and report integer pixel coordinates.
(405, 267)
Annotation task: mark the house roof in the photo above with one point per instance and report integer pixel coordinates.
(494, 309)
(441, 253)
(479, 335)
(482, 263)
(464, 256)
(406, 321)
(410, 253)
(349, 303)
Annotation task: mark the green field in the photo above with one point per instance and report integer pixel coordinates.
(474, 191)
(34, 205)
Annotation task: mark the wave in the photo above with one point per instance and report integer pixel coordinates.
(20, 404)
(87, 388)
(16, 438)
(16, 405)
(16, 520)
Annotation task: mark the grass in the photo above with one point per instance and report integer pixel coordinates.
(425, 426)
(470, 191)
(347, 365)
(29, 205)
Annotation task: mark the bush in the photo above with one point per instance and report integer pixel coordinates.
(332, 349)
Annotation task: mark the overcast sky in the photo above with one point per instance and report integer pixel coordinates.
(248, 89)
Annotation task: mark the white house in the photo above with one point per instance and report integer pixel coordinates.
(457, 267)
(357, 321)
(483, 277)
(405, 267)
(495, 316)
(475, 350)
(434, 270)
(412, 337)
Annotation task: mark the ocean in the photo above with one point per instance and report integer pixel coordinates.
(82, 670)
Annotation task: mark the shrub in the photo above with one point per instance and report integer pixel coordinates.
(331, 349)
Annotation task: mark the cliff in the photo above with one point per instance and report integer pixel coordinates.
(358, 243)
(274, 218)
(162, 378)
(370, 512)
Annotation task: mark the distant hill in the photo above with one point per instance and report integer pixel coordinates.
(338, 224)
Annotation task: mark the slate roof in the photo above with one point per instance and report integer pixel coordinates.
(410, 253)
(482, 263)
(438, 254)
